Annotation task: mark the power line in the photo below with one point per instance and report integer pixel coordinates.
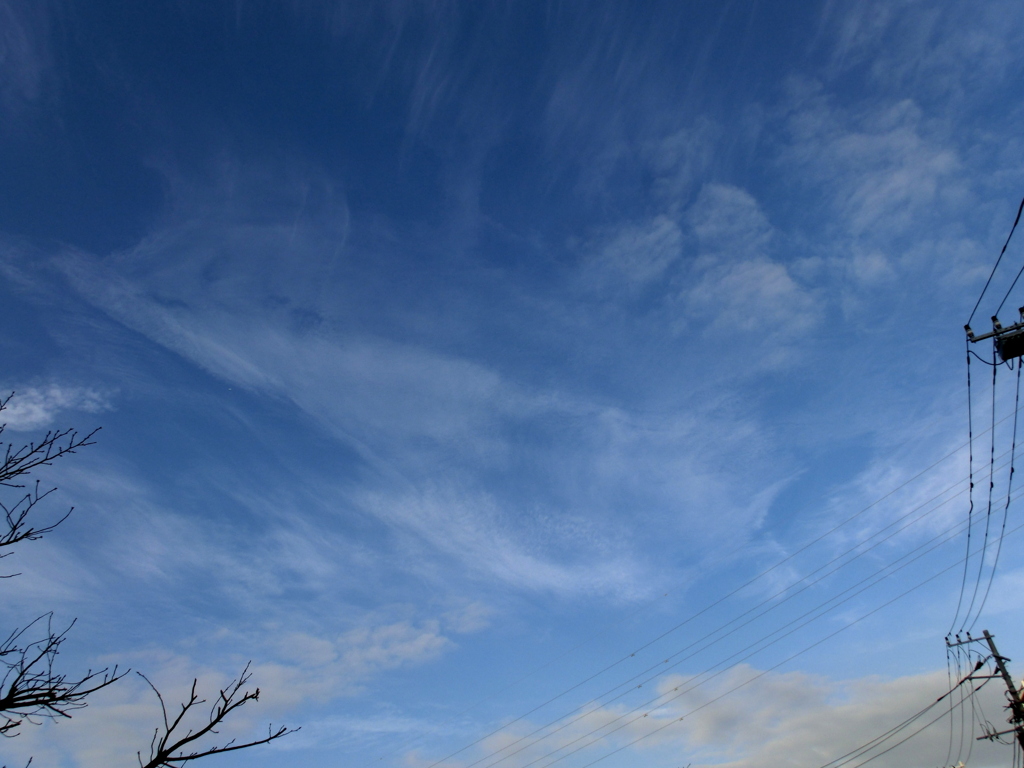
(655, 701)
(678, 626)
(773, 606)
(1006, 508)
(699, 613)
(776, 666)
(770, 599)
(971, 696)
(991, 489)
(678, 694)
(881, 739)
(717, 602)
(970, 506)
(996, 265)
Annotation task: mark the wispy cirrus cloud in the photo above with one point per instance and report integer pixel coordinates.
(24, 54)
(410, 409)
(954, 52)
(613, 295)
(635, 255)
(881, 167)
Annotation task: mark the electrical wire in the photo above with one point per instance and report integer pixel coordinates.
(979, 358)
(655, 702)
(678, 626)
(1006, 509)
(923, 728)
(773, 667)
(702, 611)
(974, 722)
(960, 747)
(748, 583)
(991, 489)
(517, 681)
(863, 749)
(677, 693)
(992, 273)
(949, 680)
(710, 637)
(881, 739)
(970, 475)
(771, 600)
(707, 608)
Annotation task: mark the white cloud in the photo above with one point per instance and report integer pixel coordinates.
(24, 53)
(637, 254)
(870, 267)
(379, 731)
(950, 51)
(471, 617)
(791, 719)
(469, 528)
(320, 668)
(728, 220)
(297, 668)
(413, 414)
(758, 295)
(680, 161)
(34, 408)
(734, 284)
(882, 169)
(365, 387)
(747, 718)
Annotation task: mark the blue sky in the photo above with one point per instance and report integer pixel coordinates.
(447, 353)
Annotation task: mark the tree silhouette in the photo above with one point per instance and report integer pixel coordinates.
(32, 689)
(170, 740)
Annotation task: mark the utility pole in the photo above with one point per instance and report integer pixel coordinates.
(1016, 706)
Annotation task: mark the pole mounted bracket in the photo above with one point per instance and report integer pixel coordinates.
(1009, 340)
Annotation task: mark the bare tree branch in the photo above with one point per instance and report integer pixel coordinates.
(32, 455)
(31, 690)
(166, 747)
(21, 461)
(16, 519)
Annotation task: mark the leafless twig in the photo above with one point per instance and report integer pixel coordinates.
(54, 444)
(166, 750)
(31, 690)
(19, 461)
